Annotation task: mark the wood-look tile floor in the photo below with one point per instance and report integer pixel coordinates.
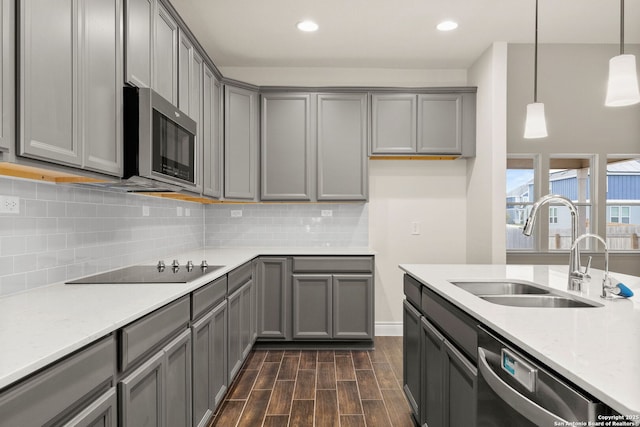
(319, 388)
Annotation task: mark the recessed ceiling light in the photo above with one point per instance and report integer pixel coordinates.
(307, 26)
(447, 26)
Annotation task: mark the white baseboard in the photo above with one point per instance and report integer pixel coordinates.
(388, 329)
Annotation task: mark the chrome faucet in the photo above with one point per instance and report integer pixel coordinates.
(606, 287)
(576, 277)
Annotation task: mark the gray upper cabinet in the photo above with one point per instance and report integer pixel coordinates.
(101, 90)
(428, 124)
(185, 53)
(7, 78)
(342, 147)
(138, 37)
(286, 147)
(48, 81)
(71, 83)
(212, 134)
(240, 143)
(393, 124)
(165, 55)
(440, 124)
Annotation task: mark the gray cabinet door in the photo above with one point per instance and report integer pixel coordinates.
(165, 55)
(460, 389)
(286, 148)
(185, 52)
(234, 352)
(247, 316)
(274, 308)
(440, 124)
(342, 147)
(353, 306)
(7, 77)
(142, 395)
(432, 375)
(138, 38)
(411, 357)
(209, 336)
(312, 299)
(48, 90)
(394, 129)
(101, 85)
(240, 143)
(212, 134)
(102, 412)
(177, 366)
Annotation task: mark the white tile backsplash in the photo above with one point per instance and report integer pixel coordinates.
(65, 231)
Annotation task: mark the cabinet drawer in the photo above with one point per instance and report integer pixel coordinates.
(412, 290)
(143, 335)
(208, 297)
(239, 277)
(327, 264)
(65, 385)
(456, 325)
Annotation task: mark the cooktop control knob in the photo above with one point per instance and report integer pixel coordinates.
(175, 263)
(189, 265)
(204, 265)
(161, 266)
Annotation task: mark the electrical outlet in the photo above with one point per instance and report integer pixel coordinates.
(187, 212)
(145, 210)
(9, 204)
(326, 212)
(236, 214)
(179, 211)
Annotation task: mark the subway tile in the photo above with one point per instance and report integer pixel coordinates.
(45, 191)
(36, 279)
(12, 245)
(24, 189)
(14, 283)
(35, 208)
(6, 265)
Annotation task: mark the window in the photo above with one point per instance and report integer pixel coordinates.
(553, 215)
(520, 197)
(623, 204)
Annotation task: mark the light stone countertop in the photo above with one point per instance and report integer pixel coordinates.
(598, 349)
(39, 326)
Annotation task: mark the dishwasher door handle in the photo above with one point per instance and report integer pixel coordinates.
(526, 407)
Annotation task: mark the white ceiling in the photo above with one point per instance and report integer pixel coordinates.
(393, 33)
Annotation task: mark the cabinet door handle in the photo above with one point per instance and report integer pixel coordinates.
(526, 407)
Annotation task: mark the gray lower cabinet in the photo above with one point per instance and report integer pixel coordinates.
(102, 412)
(158, 393)
(241, 326)
(7, 76)
(460, 388)
(312, 311)
(432, 375)
(212, 134)
(273, 282)
(286, 147)
(240, 143)
(138, 38)
(209, 336)
(71, 83)
(38, 401)
(342, 147)
(412, 360)
(165, 54)
(353, 306)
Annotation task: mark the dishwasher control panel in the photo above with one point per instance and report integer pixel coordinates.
(519, 369)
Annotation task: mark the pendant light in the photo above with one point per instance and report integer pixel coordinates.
(622, 88)
(535, 125)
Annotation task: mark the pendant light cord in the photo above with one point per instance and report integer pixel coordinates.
(621, 27)
(535, 59)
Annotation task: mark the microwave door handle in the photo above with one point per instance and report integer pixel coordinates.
(526, 407)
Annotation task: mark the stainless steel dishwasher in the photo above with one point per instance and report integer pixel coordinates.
(514, 391)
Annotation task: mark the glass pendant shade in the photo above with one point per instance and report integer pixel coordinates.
(622, 88)
(535, 125)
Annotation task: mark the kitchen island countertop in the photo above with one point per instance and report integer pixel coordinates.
(598, 349)
(42, 325)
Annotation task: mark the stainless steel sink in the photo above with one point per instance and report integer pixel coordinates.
(538, 301)
(497, 287)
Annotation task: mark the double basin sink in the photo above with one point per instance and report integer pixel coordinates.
(521, 294)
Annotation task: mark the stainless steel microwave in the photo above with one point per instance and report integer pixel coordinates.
(159, 140)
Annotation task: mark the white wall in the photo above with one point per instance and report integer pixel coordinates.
(431, 193)
(486, 172)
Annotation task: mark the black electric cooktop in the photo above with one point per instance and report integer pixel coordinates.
(148, 274)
